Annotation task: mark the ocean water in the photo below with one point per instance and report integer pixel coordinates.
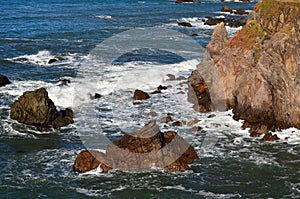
(112, 48)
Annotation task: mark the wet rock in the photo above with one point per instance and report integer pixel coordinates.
(64, 82)
(166, 119)
(152, 114)
(213, 21)
(140, 95)
(226, 9)
(4, 80)
(171, 77)
(184, 1)
(270, 137)
(185, 24)
(240, 11)
(227, 21)
(177, 123)
(193, 122)
(160, 87)
(53, 60)
(196, 128)
(142, 149)
(97, 96)
(36, 108)
(88, 160)
(211, 116)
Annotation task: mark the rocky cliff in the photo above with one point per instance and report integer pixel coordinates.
(255, 73)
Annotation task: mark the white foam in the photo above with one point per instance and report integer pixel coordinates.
(104, 16)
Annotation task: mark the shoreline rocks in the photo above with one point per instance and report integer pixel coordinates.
(140, 95)
(143, 149)
(4, 80)
(37, 109)
(256, 72)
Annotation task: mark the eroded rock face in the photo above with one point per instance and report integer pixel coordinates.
(36, 108)
(143, 149)
(4, 80)
(256, 73)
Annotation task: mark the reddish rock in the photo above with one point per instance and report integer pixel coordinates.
(36, 108)
(88, 160)
(177, 123)
(140, 95)
(255, 73)
(226, 9)
(4, 80)
(270, 137)
(166, 119)
(143, 149)
(240, 11)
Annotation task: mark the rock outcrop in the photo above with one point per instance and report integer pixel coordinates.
(255, 73)
(4, 80)
(140, 95)
(36, 108)
(143, 149)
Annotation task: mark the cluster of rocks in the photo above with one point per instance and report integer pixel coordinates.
(239, 11)
(256, 72)
(227, 21)
(144, 149)
(37, 109)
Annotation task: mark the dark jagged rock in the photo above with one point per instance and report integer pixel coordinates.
(64, 82)
(184, 24)
(177, 123)
(227, 21)
(184, 1)
(4, 80)
(53, 60)
(140, 95)
(143, 149)
(269, 137)
(36, 108)
(97, 96)
(256, 73)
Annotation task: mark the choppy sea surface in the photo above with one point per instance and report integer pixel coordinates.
(39, 165)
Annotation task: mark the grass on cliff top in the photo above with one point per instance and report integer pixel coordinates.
(248, 36)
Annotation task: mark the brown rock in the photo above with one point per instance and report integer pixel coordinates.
(270, 137)
(166, 119)
(226, 9)
(140, 95)
(88, 160)
(142, 149)
(177, 123)
(36, 108)
(4, 80)
(240, 11)
(193, 122)
(256, 73)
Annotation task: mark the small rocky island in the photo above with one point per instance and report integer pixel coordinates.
(255, 73)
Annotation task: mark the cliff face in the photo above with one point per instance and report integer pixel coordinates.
(256, 73)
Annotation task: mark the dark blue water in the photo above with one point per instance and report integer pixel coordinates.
(34, 165)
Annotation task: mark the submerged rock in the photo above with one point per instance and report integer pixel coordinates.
(36, 108)
(143, 149)
(256, 73)
(184, 1)
(4, 80)
(226, 9)
(185, 24)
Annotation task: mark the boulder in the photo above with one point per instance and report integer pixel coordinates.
(4, 80)
(140, 95)
(226, 9)
(51, 61)
(143, 149)
(88, 160)
(256, 72)
(184, 24)
(269, 137)
(36, 108)
(240, 11)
